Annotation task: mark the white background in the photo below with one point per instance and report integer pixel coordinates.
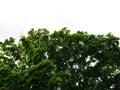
(17, 17)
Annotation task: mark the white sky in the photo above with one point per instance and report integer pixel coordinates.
(94, 16)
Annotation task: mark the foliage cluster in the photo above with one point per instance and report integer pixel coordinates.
(60, 61)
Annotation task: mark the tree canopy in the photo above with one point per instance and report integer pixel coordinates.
(60, 61)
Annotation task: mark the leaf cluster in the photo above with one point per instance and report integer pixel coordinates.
(60, 61)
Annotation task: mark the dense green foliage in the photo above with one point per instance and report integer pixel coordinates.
(60, 61)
